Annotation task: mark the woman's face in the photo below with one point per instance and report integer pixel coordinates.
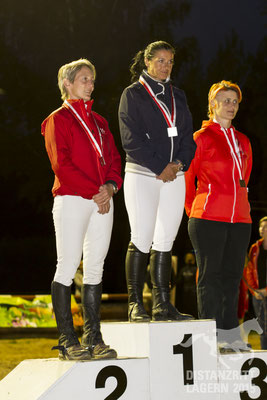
(82, 86)
(225, 105)
(160, 66)
(263, 229)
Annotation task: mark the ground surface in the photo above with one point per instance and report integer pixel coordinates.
(13, 351)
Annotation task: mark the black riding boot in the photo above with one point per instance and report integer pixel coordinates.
(160, 269)
(135, 266)
(92, 337)
(68, 344)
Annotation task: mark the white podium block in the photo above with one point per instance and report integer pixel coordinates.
(183, 356)
(243, 375)
(52, 379)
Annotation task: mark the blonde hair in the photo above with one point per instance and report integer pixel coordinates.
(216, 88)
(69, 71)
(262, 220)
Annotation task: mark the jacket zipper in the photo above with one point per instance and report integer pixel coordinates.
(171, 150)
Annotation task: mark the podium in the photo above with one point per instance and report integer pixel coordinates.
(177, 351)
(156, 361)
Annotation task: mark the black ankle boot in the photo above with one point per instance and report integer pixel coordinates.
(92, 338)
(160, 269)
(68, 344)
(135, 266)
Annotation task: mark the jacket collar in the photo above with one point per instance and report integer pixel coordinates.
(79, 104)
(82, 108)
(213, 125)
(156, 86)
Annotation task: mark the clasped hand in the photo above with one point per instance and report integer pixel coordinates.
(169, 173)
(260, 294)
(102, 198)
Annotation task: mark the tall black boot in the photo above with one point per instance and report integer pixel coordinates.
(135, 266)
(92, 338)
(68, 344)
(160, 269)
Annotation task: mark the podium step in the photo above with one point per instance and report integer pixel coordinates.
(243, 375)
(52, 379)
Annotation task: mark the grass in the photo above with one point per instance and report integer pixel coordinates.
(13, 351)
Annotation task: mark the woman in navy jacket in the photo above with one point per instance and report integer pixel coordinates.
(157, 136)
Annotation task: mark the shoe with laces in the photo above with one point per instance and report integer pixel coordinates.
(73, 353)
(101, 351)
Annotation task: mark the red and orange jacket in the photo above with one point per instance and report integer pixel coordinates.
(251, 270)
(74, 161)
(219, 195)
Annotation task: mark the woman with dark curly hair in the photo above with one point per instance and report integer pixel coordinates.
(156, 133)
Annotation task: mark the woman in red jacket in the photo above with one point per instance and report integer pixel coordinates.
(87, 168)
(256, 277)
(218, 209)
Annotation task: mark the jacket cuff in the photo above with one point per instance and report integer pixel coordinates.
(114, 184)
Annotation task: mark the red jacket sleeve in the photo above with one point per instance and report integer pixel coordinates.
(190, 178)
(249, 164)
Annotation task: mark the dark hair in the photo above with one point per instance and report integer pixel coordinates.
(138, 63)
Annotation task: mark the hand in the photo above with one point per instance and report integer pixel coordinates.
(104, 209)
(102, 198)
(169, 173)
(260, 294)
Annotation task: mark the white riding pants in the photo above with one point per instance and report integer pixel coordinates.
(80, 230)
(155, 210)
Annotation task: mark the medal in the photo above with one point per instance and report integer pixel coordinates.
(242, 183)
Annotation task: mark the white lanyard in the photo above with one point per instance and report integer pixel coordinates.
(169, 117)
(89, 133)
(235, 152)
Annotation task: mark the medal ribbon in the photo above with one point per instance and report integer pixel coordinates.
(87, 131)
(170, 118)
(235, 152)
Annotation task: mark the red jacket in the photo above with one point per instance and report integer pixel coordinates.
(219, 195)
(251, 270)
(74, 161)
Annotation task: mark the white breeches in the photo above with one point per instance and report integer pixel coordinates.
(155, 210)
(80, 230)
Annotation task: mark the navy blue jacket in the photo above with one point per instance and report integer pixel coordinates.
(143, 128)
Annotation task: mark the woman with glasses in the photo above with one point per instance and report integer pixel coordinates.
(219, 212)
